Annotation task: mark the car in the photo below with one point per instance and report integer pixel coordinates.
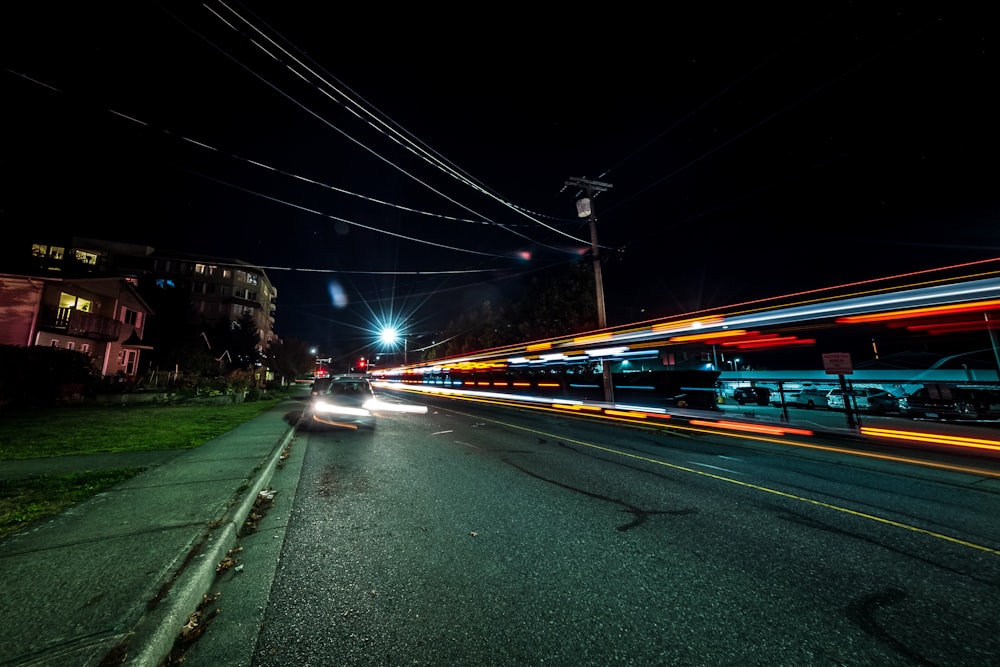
(757, 395)
(319, 385)
(345, 402)
(808, 398)
(940, 401)
(867, 399)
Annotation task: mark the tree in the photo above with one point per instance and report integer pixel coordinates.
(244, 341)
(291, 358)
(554, 305)
(477, 329)
(557, 305)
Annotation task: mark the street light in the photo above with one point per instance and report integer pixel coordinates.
(390, 336)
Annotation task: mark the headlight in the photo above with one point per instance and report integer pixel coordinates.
(332, 408)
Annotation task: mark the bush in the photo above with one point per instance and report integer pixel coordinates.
(38, 376)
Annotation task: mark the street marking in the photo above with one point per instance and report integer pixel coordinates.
(705, 465)
(756, 487)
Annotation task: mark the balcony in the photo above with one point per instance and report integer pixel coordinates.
(79, 323)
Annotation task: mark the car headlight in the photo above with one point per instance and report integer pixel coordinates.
(326, 407)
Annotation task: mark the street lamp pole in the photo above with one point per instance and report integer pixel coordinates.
(585, 209)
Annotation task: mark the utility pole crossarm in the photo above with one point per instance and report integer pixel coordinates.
(589, 186)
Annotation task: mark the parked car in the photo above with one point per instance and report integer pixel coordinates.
(868, 399)
(951, 402)
(808, 398)
(347, 401)
(756, 395)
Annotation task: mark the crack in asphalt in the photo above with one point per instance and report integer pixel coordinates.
(639, 515)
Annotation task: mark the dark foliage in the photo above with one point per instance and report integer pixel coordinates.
(39, 376)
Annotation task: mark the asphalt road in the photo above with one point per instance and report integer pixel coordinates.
(481, 536)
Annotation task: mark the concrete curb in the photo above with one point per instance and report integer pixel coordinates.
(153, 637)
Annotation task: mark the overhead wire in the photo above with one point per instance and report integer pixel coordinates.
(206, 146)
(402, 137)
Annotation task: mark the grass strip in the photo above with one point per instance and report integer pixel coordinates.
(27, 501)
(93, 429)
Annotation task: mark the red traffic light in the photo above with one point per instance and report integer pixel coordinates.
(361, 364)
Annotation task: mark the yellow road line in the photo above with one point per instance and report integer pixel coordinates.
(756, 487)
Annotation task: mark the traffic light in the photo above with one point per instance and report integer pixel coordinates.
(362, 365)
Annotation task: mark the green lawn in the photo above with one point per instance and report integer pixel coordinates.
(88, 430)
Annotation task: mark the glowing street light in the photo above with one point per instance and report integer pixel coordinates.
(390, 336)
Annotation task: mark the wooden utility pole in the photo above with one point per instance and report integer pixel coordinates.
(585, 209)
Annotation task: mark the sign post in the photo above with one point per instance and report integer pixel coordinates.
(839, 364)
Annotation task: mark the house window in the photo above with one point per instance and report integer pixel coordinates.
(128, 361)
(130, 316)
(227, 273)
(48, 251)
(199, 269)
(252, 278)
(54, 343)
(70, 345)
(85, 348)
(85, 257)
(75, 302)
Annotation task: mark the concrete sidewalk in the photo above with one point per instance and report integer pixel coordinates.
(118, 575)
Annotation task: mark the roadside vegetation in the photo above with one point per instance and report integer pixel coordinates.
(67, 431)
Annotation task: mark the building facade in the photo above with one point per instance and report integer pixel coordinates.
(102, 317)
(217, 290)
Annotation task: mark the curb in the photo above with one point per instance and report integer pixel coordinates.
(153, 637)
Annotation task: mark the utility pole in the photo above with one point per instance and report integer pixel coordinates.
(585, 209)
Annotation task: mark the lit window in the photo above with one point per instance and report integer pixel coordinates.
(85, 257)
(199, 269)
(74, 302)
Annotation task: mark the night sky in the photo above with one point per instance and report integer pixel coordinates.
(383, 165)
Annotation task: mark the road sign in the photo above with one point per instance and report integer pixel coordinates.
(837, 363)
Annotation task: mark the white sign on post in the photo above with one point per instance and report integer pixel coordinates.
(837, 363)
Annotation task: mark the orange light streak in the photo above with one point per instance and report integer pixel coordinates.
(596, 338)
(535, 347)
(577, 407)
(709, 336)
(625, 413)
(751, 428)
(921, 312)
(933, 438)
(690, 322)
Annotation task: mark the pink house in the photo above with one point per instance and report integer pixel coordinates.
(104, 318)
